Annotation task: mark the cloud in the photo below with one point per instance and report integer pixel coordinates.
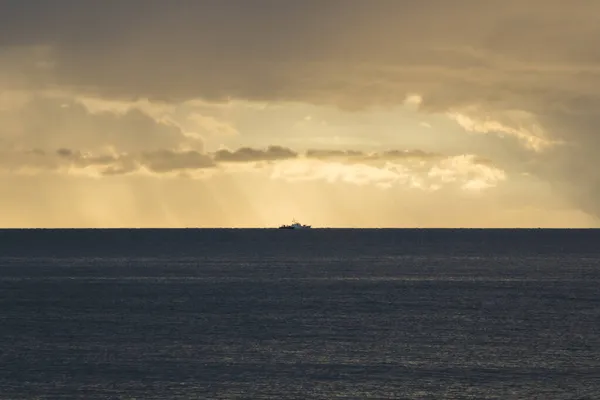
(518, 124)
(248, 154)
(336, 52)
(361, 156)
(65, 160)
(384, 169)
(525, 70)
(411, 168)
(36, 161)
(334, 154)
(169, 161)
(465, 172)
(49, 122)
(471, 61)
(474, 173)
(342, 52)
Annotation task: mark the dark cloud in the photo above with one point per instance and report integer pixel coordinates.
(81, 160)
(347, 52)
(540, 56)
(361, 156)
(275, 153)
(407, 154)
(67, 153)
(169, 161)
(159, 162)
(248, 154)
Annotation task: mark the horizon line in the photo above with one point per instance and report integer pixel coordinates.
(311, 229)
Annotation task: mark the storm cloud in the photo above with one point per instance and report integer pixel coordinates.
(536, 55)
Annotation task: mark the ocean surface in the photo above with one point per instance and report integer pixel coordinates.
(313, 314)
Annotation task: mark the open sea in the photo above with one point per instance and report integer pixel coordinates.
(308, 314)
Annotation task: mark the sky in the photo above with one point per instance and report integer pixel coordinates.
(338, 113)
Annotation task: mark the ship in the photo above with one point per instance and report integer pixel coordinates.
(295, 225)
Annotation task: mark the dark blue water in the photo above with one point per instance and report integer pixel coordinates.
(316, 314)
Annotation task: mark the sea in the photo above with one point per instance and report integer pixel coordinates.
(299, 314)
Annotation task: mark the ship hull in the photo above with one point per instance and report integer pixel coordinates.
(295, 225)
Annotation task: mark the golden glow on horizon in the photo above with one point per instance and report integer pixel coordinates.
(256, 201)
(350, 187)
